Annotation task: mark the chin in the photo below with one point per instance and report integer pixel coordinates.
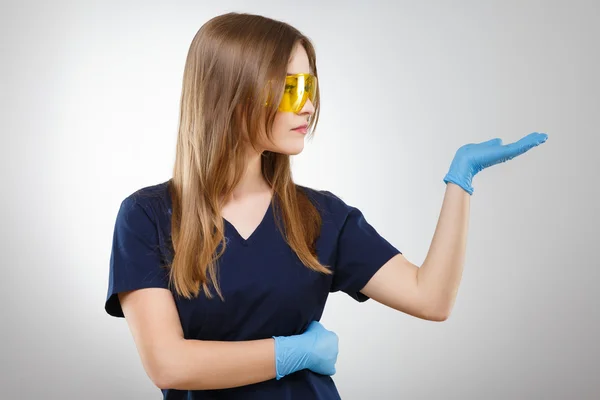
(291, 150)
(290, 147)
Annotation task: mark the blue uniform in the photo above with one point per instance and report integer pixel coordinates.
(267, 290)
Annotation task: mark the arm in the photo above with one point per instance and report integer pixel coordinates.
(428, 292)
(177, 363)
(173, 362)
(440, 275)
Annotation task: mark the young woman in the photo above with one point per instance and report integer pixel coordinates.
(223, 271)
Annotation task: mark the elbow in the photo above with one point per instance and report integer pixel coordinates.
(438, 313)
(168, 369)
(162, 368)
(160, 375)
(432, 315)
(440, 317)
(162, 381)
(166, 377)
(443, 314)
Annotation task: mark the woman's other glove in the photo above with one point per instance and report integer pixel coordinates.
(316, 349)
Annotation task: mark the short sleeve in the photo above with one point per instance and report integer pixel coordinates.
(361, 252)
(135, 260)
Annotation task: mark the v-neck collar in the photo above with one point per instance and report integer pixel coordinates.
(265, 219)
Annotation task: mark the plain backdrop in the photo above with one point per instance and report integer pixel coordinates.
(89, 105)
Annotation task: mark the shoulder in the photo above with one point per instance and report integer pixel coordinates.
(152, 200)
(144, 217)
(331, 206)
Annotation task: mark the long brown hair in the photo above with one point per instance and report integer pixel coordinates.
(234, 61)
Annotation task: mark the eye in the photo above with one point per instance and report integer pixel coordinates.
(289, 87)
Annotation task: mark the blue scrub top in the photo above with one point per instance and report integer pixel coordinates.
(267, 290)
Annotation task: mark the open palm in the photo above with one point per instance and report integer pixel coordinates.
(471, 158)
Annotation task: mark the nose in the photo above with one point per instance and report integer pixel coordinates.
(308, 108)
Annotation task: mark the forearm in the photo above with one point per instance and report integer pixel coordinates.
(199, 365)
(440, 274)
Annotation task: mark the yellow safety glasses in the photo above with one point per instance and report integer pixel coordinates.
(298, 88)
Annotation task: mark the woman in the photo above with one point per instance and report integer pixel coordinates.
(223, 271)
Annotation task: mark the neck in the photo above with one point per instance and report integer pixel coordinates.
(252, 181)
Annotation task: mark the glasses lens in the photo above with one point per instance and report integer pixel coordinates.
(298, 88)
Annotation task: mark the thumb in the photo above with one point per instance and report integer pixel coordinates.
(492, 142)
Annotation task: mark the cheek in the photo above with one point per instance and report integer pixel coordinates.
(280, 123)
(285, 141)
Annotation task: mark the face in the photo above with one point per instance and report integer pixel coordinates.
(286, 139)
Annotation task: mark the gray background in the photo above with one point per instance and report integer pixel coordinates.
(90, 95)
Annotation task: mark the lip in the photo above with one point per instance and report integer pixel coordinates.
(301, 128)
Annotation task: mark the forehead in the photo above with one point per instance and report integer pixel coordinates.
(299, 61)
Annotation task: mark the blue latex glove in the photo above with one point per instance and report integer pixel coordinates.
(472, 158)
(316, 349)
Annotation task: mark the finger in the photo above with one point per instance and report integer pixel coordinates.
(524, 144)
